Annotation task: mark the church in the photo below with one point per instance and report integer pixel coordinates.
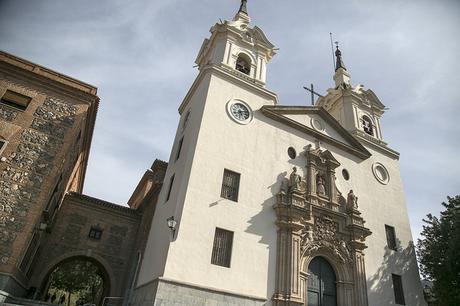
(260, 203)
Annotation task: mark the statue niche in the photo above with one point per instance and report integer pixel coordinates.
(315, 220)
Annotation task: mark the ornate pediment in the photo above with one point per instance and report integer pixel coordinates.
(314, 219)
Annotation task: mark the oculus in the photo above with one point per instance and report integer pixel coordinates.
(292, 153)
(239, 111)
(345, 174)
(380, 173)
(317, 124)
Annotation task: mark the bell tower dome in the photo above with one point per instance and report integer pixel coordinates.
(357, 109)
(237, 48)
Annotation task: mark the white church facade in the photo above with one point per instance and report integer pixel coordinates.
(275, 204)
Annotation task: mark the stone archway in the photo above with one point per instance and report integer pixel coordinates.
(86, 275)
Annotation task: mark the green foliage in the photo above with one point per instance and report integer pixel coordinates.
(80, 277)
(439, 253)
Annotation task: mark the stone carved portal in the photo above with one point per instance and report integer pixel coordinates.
(318, 223)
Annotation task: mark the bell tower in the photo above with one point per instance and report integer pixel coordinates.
(357, 109)
(237, 48)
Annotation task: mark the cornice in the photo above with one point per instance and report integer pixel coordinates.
(252, 86)
(101, 204)
(276, 113)
(46, 73)
(376, 144)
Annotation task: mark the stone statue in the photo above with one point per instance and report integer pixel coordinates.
(294, 179)
(320, 189)
(352, 200)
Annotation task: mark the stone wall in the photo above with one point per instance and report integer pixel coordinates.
(29, 166)
(164, 292)
(114, 252)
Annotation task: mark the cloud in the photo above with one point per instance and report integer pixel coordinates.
(140, 54)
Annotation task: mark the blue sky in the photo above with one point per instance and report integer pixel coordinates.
(140, 55)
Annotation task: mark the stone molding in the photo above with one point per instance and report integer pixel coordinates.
(318, 221)
(277, 113)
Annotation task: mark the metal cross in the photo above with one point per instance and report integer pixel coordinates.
(313, 93)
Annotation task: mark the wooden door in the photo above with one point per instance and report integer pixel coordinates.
(321, 283)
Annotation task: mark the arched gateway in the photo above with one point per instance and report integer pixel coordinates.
(76, 280)
(321, 238)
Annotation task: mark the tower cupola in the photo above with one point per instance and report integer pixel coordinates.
(238, 48)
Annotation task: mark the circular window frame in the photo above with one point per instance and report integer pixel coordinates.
(291, 151)
(345, 174)
(376, 172)
(317, 124)
(230, 114)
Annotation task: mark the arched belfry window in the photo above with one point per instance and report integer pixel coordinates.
(367, 125)
(322, 290)
(243, 63)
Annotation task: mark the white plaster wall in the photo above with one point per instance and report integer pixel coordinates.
(154, 259)
(306, 119)
(258, 151)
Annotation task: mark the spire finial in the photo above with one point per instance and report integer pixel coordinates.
(338, 55)
(243, 8)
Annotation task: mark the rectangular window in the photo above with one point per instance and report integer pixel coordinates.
(179, 147)
(95, 233)
(171, 182)
(230, 185)
(391, 237)
(30, 253)
(2, 146)
(222, 248)
(398, 289)
(15, 100)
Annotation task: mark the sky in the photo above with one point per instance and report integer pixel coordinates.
(140, 54)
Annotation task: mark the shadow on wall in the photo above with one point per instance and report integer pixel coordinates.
(400, 262)
(263, 225)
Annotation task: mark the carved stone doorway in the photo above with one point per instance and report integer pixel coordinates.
(321, 283)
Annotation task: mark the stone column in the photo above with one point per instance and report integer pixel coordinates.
(288, 286)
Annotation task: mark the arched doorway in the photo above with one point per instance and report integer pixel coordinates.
(321, 283)
(76, 281)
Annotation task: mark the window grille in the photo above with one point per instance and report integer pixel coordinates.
(95, 233)
(15, 100)
(391, 237)
(230, 185)
(398, 289)
(222, 248)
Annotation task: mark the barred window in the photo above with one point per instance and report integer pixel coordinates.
(391, 237)
(398, 289)
(15, 100)
(222, 248)
(95, 233)
(230, 185)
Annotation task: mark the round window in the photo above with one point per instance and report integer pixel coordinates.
(292, 153)
(381, 173)
(345, 174)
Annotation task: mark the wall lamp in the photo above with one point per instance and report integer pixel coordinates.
(172, 225)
